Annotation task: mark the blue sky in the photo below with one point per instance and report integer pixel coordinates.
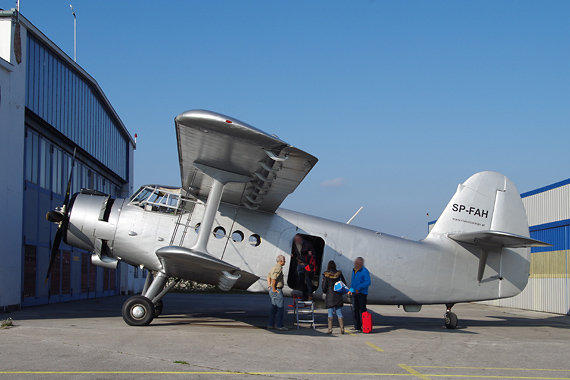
(400, 100)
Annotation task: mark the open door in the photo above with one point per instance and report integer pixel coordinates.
(318, 245)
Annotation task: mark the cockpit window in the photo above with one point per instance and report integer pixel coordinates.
(162, 199)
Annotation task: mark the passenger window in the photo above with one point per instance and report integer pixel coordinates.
(219, 232)
(255, 240)
(237, 236)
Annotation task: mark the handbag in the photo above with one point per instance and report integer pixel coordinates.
(340, 287)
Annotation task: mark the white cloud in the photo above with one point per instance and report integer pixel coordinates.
(335, 182)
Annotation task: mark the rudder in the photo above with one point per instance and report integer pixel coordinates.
(484, 206)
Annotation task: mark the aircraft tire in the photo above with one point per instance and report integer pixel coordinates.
(158, 308)
(138, 311)
(450, 320)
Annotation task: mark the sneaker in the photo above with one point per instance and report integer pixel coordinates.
(282, 328)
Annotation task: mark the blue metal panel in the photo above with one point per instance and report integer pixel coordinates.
(546, 188)
(559, 223)
(74, 112)
(559, 237)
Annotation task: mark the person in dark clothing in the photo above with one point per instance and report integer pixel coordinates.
(359, 291)
(333, 300)
(304, 254)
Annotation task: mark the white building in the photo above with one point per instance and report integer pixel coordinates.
(49, 106)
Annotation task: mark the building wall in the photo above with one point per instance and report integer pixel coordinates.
(12, 108)
(50, 106)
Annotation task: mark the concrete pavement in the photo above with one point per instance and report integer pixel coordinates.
(223, 336)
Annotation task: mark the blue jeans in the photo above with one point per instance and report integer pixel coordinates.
(336, 310)
(276, 309)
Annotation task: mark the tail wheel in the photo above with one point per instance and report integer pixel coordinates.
(158, 308)
(138, 311)
(450, 320)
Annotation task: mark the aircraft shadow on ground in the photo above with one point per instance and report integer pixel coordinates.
(250, 311)
(416, 322)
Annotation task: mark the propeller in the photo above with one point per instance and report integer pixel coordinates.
(60, 217)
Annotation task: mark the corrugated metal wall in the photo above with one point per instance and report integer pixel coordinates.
(549, 206)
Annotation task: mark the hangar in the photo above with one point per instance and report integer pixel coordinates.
(49, 106)
(548, 288)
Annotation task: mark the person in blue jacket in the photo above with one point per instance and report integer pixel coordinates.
(359, 291)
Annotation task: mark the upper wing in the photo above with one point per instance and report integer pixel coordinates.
(497, 239)
(209, 139)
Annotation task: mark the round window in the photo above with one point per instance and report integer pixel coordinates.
(237, 236)
(255, 240)
(219, 232)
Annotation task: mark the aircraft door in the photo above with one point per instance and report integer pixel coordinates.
(305, 264)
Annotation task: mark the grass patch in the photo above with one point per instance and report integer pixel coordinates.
(181, 362)
(186, 286)
(6, 323)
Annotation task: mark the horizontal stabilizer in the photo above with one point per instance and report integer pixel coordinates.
(203, 268)
(497, 239)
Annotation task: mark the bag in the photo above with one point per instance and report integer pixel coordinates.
(340, 287)
(366, 322)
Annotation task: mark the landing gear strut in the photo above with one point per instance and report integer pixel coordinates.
(450, 317)
(158, 308)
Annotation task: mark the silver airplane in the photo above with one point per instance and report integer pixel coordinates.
(224, 227)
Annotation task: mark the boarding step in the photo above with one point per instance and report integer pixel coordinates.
(304, 312)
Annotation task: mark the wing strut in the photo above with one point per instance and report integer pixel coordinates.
(219, 179)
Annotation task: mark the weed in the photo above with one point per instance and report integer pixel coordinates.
(6, 323)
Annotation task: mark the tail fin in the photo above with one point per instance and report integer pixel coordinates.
(487, 220)
(486, 201)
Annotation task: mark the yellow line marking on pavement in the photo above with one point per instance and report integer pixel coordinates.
(413, 372)
(428, 375)
(351, 334)
(198, 373)
(493, 368)
(374, 347)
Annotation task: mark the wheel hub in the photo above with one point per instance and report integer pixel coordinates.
(138, 311)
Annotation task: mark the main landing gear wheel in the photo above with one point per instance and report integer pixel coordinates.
(158, 308)
(138, 311)
(450, 318)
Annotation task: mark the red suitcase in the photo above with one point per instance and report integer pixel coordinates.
(366, 322)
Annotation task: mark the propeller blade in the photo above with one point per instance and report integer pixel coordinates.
(54, 250)
(68, 191)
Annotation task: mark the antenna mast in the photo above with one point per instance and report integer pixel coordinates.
(74, 33)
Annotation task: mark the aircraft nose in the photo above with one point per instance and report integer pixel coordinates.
(55, 216)
(92, 222)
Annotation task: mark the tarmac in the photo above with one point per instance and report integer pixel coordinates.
(223, 336)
